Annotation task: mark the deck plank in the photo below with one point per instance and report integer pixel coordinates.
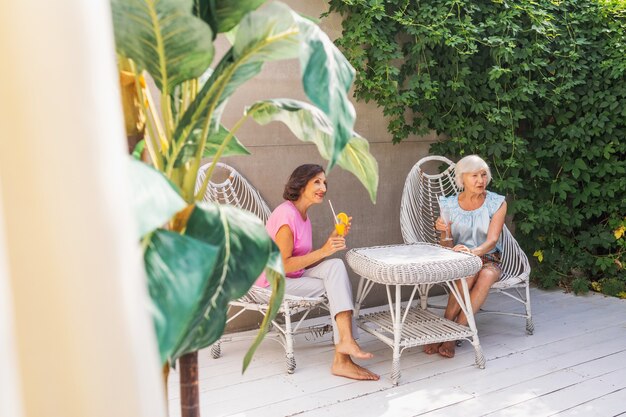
(611, 404)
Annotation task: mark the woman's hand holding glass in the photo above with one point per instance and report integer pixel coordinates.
(335, 243)
(443, 226)
(444, 218)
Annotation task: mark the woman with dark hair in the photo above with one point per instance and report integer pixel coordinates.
(308, 273)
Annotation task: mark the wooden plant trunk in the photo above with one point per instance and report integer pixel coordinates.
(189, 395)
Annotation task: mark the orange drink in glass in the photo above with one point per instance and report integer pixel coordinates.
(342, 223)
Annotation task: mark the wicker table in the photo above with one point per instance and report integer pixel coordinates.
(420, 265)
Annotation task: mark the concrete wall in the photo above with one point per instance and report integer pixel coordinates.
(276, 152)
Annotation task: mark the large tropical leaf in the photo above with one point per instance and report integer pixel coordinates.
(154, 198)
(274, 33)
(275, 275)
(309, 124)
(164, 37)
(357, 159)
(244, 250)
(213, 142)
(178, 269)
(326, 77)
(267, 34)
(223, 15)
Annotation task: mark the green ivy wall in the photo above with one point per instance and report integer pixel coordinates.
(538, 88)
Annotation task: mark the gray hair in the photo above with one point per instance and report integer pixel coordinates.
(470, 163)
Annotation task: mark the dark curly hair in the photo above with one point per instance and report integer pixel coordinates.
(298, 180)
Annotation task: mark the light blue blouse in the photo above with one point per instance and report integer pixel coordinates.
(470, 228)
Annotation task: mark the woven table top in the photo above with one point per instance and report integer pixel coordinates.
(416, 263)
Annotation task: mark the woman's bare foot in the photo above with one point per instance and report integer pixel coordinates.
(343, 366)
(431, 348)
(351, 348)
(447, 349)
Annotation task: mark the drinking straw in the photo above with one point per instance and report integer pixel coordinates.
(333, 210)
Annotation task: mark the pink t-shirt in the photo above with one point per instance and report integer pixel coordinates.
(288, 214)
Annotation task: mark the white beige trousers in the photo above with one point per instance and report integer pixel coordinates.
(331, 278)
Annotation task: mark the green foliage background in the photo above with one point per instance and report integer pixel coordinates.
(537, 88)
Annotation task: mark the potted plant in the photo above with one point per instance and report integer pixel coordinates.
(194, 252)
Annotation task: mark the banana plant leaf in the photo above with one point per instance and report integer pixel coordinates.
(275, 275)
(189, 295)
(261, 37)
(223, 15)
(310, 124)
(163, 37)
(244, 251)
(326, 77)
(154, 199)
(274, 33)
(177, 267)
(215, 139)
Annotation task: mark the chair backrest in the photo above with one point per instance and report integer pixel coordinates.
(419, 207)
(234, 190)
(419, 210)
(514, 261)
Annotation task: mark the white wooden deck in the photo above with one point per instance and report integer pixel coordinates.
(574, 365)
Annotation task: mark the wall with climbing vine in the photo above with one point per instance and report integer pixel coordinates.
(538, 88)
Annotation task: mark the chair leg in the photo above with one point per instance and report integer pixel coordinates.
(216, 349)
(479, 357)
(530, 327)
(291, 360)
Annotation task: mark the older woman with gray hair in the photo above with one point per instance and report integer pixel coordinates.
(476, 218)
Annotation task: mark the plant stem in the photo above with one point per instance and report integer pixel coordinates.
(178, 145)
(168, 118)
(166, 374)
(189, 395)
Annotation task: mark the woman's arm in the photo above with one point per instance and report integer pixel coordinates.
(284, 241)
(493, 233)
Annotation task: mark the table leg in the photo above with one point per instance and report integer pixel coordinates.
(469, 313)
(423, 292)
(359, 297)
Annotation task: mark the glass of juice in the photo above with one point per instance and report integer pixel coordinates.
(341, 224)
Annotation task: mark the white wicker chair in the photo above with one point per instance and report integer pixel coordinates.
(237, 191)
(419, 210)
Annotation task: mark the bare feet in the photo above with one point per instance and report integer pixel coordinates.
(351, 348)
(447, 349)
(431, 348)
(343, 366)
